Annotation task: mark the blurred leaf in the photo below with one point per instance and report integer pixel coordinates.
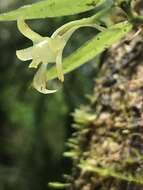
(92, 48)
(53, 8)
(57, 185)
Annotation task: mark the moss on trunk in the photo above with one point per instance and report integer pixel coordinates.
(107, 145)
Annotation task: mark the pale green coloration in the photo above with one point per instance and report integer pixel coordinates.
(57, 185)
(106, 172)
(55, 8)
(48, 50)
(92, 48)
(83, 116)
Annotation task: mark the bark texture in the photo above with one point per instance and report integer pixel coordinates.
(107, 145)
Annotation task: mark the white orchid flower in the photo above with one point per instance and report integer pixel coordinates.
(48, 50)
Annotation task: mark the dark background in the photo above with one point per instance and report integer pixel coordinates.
(35, 127)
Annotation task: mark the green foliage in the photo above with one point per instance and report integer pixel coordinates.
(88, 51)
(92, 48)
(39, 116)
(53, 8)
(57, 185)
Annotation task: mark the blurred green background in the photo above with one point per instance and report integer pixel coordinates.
(35, 127)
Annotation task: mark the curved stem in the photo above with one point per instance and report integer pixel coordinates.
(86, 21)
(26, 31)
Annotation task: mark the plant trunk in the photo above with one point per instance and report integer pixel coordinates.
(107, 145)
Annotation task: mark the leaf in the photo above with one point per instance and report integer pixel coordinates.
(57, 185)
(93, 47)
(108, 172)
(54, 8)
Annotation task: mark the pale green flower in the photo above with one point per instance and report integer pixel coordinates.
(47, 50)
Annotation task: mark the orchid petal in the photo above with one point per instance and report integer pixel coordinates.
(25, 54)
(59, 67)
(34, 63)
(39, 81)
(26, 31)
(66, 27)
(69, 33)
(78, 23)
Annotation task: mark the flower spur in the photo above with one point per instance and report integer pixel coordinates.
(48, 49)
